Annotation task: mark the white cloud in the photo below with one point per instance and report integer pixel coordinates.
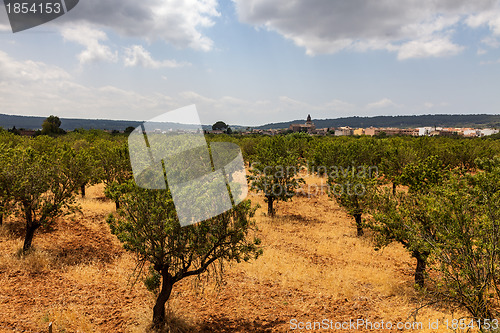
(382, 104)
(91, 39)
(492, 42)
(411, 28)
(35, 88)
(490, 18)
(136, 55)
(437, 47)
(28, 71)
(180, 23)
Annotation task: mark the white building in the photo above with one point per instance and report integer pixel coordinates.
(425, 131)
(488, 131)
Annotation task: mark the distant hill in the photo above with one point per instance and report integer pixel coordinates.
(68, 124)
(472, 120)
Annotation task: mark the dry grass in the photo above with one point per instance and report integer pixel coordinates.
(313, 267)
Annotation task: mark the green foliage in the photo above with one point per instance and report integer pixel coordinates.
(421, 175)
(41, 176)
(353, 189)
(147, 225)
(452, 229)
(51, 126)
(153, 280)
(397, 153)
(220, 126)
(276, 169)
(466, 252)
(129, 130)
(338, 152)
(112, 165)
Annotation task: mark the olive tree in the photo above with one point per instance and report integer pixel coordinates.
(147, 225)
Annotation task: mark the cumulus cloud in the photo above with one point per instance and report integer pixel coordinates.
(382, 104)
(489, 18)
(35, 88)
(179, 23)
(411, 28)
(136, 55)
(436, 47)
(91, 39)
(492, 42)
(28, 71)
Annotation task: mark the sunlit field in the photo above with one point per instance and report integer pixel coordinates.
(313, 268)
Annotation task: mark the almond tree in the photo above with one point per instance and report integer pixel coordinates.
(353, 189)
(408, 218)
(275, 172)
(43, 180)
(466, 255)
(396, 155)
(147, 225)
(112, 165)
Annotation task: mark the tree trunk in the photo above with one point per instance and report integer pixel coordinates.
(117, 204)
(359, 225)
(82, 189)
(31, 227)
(270, 208)
(420, 269)
(28, 239)
(159, 308)
(393, 188)
(1, 213)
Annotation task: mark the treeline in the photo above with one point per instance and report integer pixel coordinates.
(68, 124)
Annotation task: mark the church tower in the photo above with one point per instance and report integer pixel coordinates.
(309, 121)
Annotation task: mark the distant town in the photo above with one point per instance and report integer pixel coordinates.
(310, 128)
(451, 125)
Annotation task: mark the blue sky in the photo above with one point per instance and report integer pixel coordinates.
(250, 62)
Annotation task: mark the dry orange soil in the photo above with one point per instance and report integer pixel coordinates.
(314, 268)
